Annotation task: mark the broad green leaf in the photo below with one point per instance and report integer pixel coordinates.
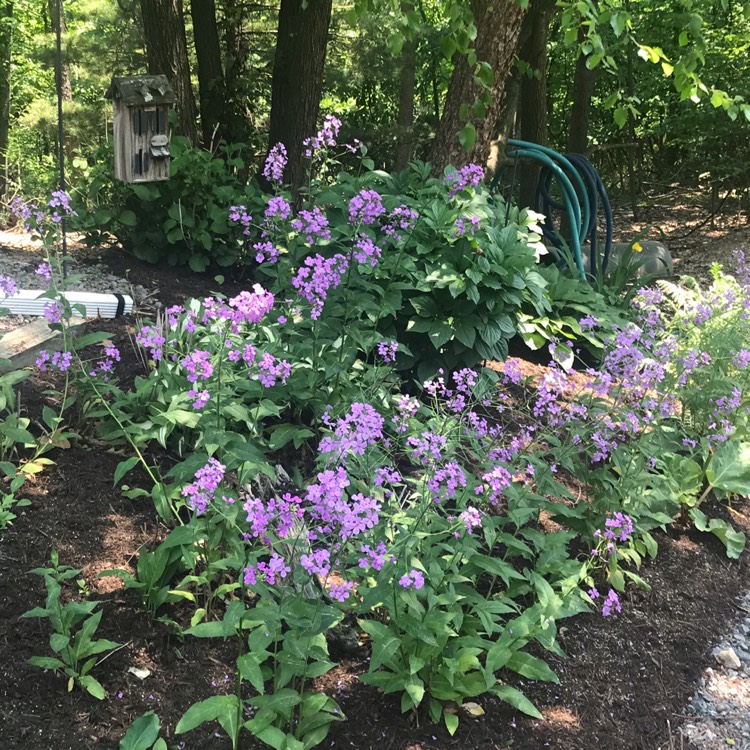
(516, 699)
(219, 708)
(142, 733)
(729, 467)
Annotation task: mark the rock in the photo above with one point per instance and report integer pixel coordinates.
(728, 658)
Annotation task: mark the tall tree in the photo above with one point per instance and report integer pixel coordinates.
(166, 49)
(533, 92)
(6, 41)
(498, 24)
(210, 74)
(406, 83)
(298, 79)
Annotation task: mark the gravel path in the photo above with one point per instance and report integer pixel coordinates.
(20, 257)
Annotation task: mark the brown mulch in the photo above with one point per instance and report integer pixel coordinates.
(624, 684)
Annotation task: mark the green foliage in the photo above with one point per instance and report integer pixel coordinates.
(143, 734)
(74, 625)
(182, 221)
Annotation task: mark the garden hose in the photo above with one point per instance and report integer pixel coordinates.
(583, 192)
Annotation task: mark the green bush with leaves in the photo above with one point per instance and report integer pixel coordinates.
(182, 221)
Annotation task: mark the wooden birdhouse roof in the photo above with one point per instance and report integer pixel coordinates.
(141, 91)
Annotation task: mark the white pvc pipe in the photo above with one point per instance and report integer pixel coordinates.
(27, 302)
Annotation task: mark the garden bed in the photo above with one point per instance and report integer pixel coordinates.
(625, 683)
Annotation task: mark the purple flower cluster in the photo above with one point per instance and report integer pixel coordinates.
(59, 202)
(105, 366)
(251, 307)
(53, 312)
(401, 219)
(273, 169)
(366, 251)
(498, 479)
(387, 351)
(413, 578)
(471, 518)
(44, 270)
(269, 571)
(8, 286)
(317, 277)
(612, 602)
(276, 516)
(374, 558)
(462, 179)
(361, 427)
(462, 228)
(272, 370)
(58, 360)
(444, 483)
(239, 215)
(313, 224)
(198, 366)
(366, 207)
(325, 138)
(201, 492)
(427, 447)
(152, 339)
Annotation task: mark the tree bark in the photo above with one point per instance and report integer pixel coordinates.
(166, 49)
(210, 74)
(498, 25)
(297, 80)
(583, 89)
(407, 79)
(533, 94)
(6, 40)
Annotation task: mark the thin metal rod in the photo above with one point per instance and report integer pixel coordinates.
(61, 136)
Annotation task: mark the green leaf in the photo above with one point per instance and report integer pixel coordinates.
(732, 539)
(729, 467)
(451, 723)
(516, 699)
(468, 136)
(93, 687)
(221, 708)
(46, 662)
(124, 467)
(142, 733)
(127, 218)
(531, 667)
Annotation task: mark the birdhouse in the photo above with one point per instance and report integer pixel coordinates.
(141, 107)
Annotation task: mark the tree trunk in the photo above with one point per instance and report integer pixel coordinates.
(210, 73)
(498, 25)
(166, 48)
(59, 20)
(533, 94)
(407, 78)
(298, 80)
(583, 90)
(6, 40)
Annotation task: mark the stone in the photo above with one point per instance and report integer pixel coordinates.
(728, 658)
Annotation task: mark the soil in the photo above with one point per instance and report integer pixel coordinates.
(624, 683)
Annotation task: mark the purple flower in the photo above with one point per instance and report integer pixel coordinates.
(444, 482)
(401, 219)
(412, 578)
(313, 224)
(387, 351)
(325, 138)
(251, 307)
(53, 312)
(361, 427)
(469, 176)
(200, 398)
(44, 270)
(151, 339)
(498, 480)
(278, 209)
(207, 480)
(427, 447)
(366, 251)
(471, 518)
(619, 526)
(271, 370)
(273, 169)
(462, 228)
(611, 602)
(198, 366)
(317, 277)
(365, 207)
(8, 285)
(340, 591)
(593, 593)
